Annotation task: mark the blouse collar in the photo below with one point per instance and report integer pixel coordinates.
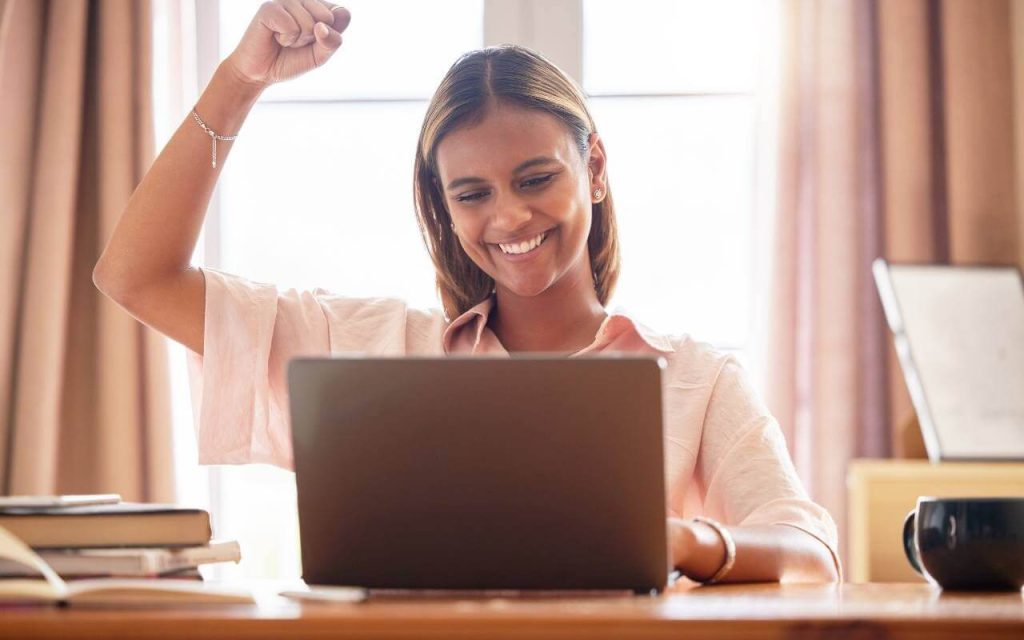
(469, 332)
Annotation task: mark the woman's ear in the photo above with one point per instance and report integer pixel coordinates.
(597, 162)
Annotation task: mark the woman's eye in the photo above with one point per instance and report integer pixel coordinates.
(533, 182)
(470, 197)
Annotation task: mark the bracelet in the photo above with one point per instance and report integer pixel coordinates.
(730, 549)
(213, 138)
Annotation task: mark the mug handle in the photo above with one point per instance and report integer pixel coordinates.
(909, 548)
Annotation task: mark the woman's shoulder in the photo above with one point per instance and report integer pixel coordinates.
(378, 317)
(336, 305)
(381, 324)
(697, 363)
(348, 306)
(698, 353)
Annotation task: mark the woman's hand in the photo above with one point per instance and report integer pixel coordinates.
(287, 38)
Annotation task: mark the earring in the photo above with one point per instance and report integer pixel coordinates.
(597, 194)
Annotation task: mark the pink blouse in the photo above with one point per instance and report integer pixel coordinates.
(725, 456)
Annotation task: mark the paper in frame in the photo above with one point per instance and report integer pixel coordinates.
(959, 336)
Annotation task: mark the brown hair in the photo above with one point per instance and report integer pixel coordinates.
(479, 79)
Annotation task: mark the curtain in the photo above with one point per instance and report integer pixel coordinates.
(84, 402)
(895, 139)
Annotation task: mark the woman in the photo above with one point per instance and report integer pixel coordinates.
(512, 197)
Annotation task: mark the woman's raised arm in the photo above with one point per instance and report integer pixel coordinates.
(145, 267)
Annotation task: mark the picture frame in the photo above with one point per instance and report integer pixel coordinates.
(959, 335)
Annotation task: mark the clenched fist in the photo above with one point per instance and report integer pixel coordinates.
(287, 38)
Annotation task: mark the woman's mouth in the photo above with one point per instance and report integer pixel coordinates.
(525, 249)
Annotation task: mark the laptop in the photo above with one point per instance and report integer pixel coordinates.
(528, 472)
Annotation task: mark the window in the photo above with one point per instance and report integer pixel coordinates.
(319, 184)
(674, 98)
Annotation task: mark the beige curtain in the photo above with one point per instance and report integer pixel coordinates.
(84, 402)
(895, 140)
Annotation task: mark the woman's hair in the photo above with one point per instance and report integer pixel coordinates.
(478, 81)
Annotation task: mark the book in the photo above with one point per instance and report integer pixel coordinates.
(126, 561)
(191, 574)
(126, 524)
(119, 592)
(45, 502)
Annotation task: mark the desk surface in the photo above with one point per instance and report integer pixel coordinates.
(761, 611)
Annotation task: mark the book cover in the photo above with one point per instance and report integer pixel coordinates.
(125, 524)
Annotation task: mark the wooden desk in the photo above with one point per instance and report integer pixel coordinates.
(734, 611)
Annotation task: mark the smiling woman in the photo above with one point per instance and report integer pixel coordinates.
(513, 199)
(509, 138)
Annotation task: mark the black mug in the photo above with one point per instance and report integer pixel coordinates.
(967, 543)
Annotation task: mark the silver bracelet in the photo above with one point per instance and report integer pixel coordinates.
(730, 549)
(214, 137)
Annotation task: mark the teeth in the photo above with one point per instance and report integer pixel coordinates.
(523, 247)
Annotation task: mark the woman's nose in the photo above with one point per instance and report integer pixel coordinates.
(511, 212)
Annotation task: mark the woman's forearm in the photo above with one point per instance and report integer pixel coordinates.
(769, 553)
(158, 230)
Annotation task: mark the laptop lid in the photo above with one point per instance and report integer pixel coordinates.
(529, 472)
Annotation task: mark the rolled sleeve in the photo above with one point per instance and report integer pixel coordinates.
(746, 468)
(239, 385)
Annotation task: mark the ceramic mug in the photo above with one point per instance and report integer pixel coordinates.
(967, 543)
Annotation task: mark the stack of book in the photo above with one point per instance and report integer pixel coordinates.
(100, 536)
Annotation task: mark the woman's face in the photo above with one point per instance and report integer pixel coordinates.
(514, 178)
